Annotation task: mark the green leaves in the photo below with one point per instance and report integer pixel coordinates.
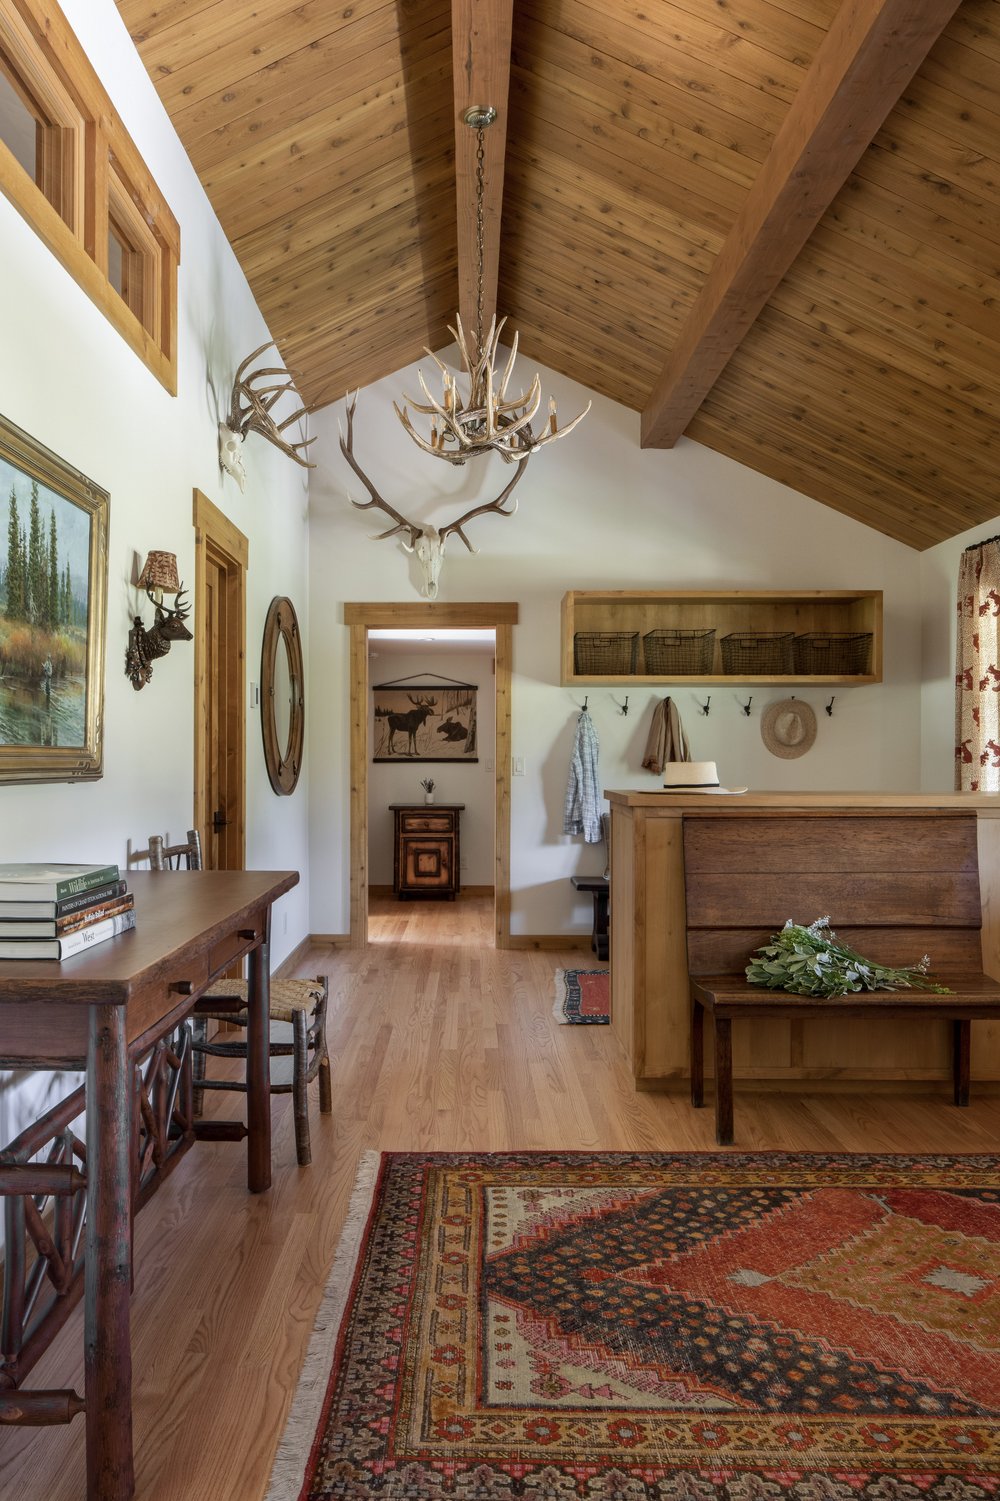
(809, 961)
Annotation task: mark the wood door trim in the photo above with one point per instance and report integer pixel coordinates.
(408, 616)
(215, 533)
(359, 786)
(361, 618)
(207, 517)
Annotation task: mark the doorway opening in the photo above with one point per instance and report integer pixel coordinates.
(431, 805)
(429, 618)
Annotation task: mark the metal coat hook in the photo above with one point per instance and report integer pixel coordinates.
(829, 707)
(583, 707)
(703, 708)
(746, 707)
(622, 708)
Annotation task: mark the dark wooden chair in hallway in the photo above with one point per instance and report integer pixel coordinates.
(301, 1004)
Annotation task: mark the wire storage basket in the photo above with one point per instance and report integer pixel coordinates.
(680, 652)
(758, 653)
(605, 653)
(834, 653)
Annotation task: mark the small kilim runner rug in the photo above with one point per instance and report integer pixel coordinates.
(582, 997)
(645, 1327)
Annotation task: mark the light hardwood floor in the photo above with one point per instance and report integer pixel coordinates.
(439, 1042)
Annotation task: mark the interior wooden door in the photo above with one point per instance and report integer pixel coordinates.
(222, 555)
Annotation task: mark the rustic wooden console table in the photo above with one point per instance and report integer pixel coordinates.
(112, 1010)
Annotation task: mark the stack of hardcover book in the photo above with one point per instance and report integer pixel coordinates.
(55, 911)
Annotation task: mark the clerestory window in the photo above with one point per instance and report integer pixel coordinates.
(72, 170)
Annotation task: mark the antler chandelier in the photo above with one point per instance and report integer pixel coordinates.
(483, 421)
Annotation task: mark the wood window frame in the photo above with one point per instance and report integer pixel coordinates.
(91, 179)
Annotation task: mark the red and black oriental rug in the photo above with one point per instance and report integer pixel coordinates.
(645, 1327)
(582, 997)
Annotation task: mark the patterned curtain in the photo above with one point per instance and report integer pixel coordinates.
(977, 670)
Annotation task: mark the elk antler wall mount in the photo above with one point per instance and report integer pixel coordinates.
(158, 577)
(250, 412)
(427, 543)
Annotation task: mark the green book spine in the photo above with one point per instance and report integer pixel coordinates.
(73, 885)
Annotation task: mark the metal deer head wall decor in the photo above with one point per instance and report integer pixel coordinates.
(158, 577)
(427, 543)
(250, 412)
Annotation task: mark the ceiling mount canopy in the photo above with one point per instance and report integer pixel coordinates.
(484, 420)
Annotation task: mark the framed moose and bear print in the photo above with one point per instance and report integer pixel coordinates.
(425, 722)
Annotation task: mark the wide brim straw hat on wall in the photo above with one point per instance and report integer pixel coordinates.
(788, 728)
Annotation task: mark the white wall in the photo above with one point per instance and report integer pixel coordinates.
(939, 628)
(597, 512)
(69, 380)
(472, 783)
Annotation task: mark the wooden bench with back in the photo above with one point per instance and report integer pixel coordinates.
(895, 888)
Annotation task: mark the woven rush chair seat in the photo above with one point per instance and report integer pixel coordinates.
(287, 997)
(302, 1003)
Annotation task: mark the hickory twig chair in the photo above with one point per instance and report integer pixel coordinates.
(300, 1003)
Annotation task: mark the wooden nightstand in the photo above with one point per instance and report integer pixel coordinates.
(426, 851)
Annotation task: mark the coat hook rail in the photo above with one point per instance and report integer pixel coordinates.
(746, 707)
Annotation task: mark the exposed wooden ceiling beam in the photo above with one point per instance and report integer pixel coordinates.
(481, 33)
(866, 60)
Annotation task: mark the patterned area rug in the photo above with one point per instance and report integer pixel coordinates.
(644, 1327)
(582, 997)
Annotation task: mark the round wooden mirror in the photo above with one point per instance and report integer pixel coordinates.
(282, 696)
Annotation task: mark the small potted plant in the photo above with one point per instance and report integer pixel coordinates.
(428, 785)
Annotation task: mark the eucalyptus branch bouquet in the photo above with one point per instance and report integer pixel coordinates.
(810, 961)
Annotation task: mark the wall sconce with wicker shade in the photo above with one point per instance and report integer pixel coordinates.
(158, 577)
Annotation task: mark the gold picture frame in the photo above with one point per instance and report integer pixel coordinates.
(53, 615)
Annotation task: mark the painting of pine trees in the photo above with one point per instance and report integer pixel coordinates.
(50, 692)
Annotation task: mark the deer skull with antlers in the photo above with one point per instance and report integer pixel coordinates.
(250, 412)
(427, 543)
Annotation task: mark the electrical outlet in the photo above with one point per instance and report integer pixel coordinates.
(519, 766)
(254, 695)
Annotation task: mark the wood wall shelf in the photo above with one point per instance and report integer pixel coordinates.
(830, 611)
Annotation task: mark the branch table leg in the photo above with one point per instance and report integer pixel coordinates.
(108, 1267)
(258, 1070)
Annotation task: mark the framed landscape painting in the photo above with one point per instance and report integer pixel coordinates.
(425, 722)
(53, 610)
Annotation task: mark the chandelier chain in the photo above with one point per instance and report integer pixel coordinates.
(483, 419)
(480, 232)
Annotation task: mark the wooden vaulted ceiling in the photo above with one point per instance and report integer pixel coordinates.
(768, 224)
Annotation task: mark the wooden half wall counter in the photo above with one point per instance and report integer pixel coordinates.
(649, 966)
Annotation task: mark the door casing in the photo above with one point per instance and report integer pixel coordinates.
(500, 617)
(222, 555)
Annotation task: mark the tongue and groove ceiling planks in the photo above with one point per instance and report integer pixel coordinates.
(768, 224)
